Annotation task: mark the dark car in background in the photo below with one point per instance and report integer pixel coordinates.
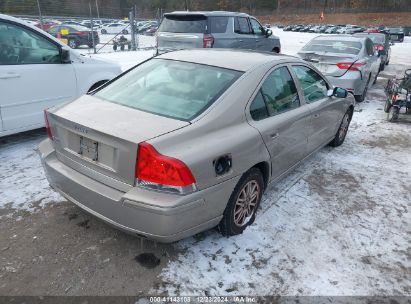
(396, 33)
(190, 30)
(76, 35)
(382, 45)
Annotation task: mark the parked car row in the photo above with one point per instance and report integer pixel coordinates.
(394, 33)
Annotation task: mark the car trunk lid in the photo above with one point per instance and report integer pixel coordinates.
(326, 63)
(100, 139)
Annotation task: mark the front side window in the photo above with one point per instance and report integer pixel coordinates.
(256, 26)
(314, 86)
(279, 92)
(175, 89)
(22, 46)
(242, 26)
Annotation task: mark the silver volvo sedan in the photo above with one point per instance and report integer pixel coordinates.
(189, 140)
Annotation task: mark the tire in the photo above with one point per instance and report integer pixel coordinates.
(361, 98)
(72, 43)
(122, 47)
(241, 209)
(387, 106)
(103, 31)
(342, 130)
(393, 114)
(276, 50)
(382, 66)
(125, 32)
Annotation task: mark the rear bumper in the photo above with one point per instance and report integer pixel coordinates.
(159, 216)
(351, 81)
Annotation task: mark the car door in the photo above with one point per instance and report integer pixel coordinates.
(326, 112)
(32, 77)
(372, 61)
(261, 41)
(282, 119)
(245, 36)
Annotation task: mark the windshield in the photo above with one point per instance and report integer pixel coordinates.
(333, 46)
(174, 89)
(184, 24)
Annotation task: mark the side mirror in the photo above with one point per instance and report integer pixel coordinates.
(65, 56)
(340, 93)
(268, 33)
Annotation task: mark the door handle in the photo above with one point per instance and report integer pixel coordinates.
(9, 75)
(274, 135)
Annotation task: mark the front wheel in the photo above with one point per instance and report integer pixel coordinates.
(243, 204)
(342, 130)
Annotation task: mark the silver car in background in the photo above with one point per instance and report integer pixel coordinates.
(188, 30)
(190, 140)
(348, 62)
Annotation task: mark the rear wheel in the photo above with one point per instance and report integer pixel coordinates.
(387, 106)
(243, 204)
(72, 43)
(361, 98)
(342, 130)
(276, 50)
(393, 114)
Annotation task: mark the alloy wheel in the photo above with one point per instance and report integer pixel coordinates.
(246, 203)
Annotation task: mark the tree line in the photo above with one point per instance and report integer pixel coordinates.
(152, 8)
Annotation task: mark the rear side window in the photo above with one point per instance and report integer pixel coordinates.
(277, 95)
(218, 24)
(241, 25)
(314, 86)
(258, 108)
(280, 92)
(175, 89)
(184, 24)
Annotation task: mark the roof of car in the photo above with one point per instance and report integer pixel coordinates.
(240, 60)
(208, 13)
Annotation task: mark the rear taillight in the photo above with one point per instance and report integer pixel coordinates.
(164, 173)
(379, 47)
(48, 129)
(350, 66)
(81, 33)
(208, 41)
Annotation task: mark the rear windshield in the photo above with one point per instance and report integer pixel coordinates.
(376, 39)
(184, 24)
(174, 89)
(334, 46)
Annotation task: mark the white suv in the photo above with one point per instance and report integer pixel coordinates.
(38, 71)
